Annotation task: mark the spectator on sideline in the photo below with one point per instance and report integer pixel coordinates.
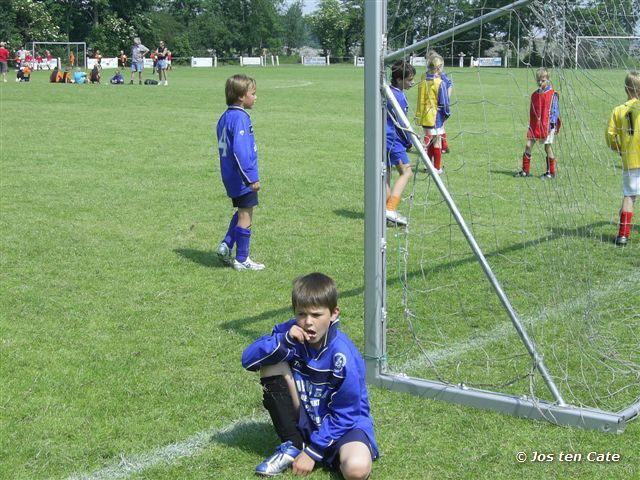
(98, 57)
(117, 78)
(161, 63)
(94, 76)
(56, 76)
(4, 59)
(21, 56)
(48, 57)
(122, 59)
(79, 76)
(138, 51)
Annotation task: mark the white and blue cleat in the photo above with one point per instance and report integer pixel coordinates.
(277, 463)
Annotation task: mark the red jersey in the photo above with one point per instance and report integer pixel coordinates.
(4, 54)
(540, 113)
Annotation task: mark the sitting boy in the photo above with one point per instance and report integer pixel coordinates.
(117, 78)
(313, 381)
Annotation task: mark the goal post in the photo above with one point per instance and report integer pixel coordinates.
(606, 47)
(62, 49)
(380, 316)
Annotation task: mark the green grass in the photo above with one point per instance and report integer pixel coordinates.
(122, 333)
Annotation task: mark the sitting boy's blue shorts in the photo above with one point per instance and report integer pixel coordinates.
(332, 454)
(247, 200)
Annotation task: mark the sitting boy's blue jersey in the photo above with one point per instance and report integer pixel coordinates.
(238, 151)
(397, 137)
(330, 382)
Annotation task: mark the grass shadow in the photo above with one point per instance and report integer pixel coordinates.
(508, 173)
(204, 258)
(254, 436)
(247, 326)
(349, 214)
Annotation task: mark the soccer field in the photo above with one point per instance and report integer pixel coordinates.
(122, 333)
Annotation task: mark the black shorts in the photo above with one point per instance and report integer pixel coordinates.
(247, 200)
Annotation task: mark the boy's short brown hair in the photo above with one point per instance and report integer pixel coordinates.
(632, 83)
(237, 86)
(314, 290)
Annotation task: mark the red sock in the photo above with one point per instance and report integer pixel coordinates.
(625, 224)
(526, 162)
(430, 151)
(445, 144)
(437, 158)
(551, 165)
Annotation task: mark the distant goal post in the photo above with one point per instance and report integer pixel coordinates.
(78, 47)
(616, 43)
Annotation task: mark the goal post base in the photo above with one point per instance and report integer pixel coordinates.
(523, 407)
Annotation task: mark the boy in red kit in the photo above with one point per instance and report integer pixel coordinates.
(623, 136)
(544, 124)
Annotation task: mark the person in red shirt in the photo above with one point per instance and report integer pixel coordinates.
(4, 58)
(544, 124)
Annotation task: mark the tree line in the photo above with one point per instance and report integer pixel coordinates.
(228, 28)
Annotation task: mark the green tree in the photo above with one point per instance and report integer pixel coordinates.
(329, 24)
(295, 30)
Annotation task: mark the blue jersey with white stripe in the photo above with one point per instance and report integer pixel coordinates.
(238, 151)
(330, 382)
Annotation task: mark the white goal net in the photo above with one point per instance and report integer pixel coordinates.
(548, 242)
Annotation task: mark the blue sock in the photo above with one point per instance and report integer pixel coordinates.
(230, 238)
(243, 239)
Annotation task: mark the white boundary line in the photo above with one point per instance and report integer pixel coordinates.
(192, 446)
(505, 329)
(196, 444)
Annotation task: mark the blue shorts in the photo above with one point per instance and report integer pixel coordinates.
(137, 66)
(397, 155)
(161, 65)
(247, 200)
(332, 454)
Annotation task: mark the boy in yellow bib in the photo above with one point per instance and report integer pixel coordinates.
(433, 109)
(623, 136)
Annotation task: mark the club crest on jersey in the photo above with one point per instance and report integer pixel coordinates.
(339, 361)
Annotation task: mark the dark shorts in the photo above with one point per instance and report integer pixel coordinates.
(332, 454)
(247, 200)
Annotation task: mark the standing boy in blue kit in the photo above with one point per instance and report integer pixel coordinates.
(239, 170)
(313, 381)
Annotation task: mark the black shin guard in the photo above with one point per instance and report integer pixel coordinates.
(276, 398)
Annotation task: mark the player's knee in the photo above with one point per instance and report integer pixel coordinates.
(356, 468)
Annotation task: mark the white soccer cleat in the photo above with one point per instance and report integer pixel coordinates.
(395, 217)
(224, 254)
(248, 264)
(277, 463)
